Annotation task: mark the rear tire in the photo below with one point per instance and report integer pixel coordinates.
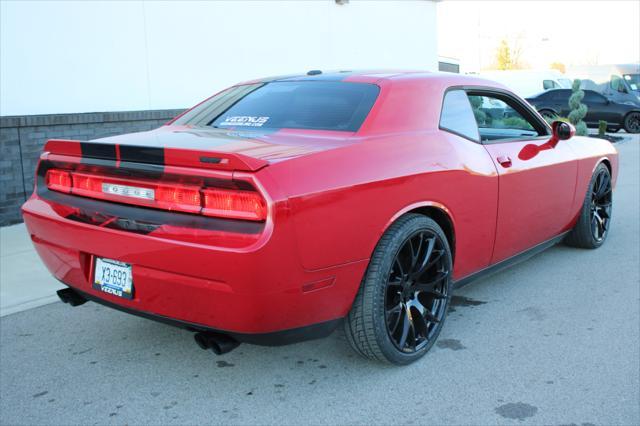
(594, 222)
(403, 299)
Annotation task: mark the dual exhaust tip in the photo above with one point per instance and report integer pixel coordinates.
(217, 342)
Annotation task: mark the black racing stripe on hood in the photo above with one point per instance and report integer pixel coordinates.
(142, 154)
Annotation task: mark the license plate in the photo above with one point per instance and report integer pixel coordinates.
(113, 277)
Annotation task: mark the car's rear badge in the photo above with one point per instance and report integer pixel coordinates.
(128, 191)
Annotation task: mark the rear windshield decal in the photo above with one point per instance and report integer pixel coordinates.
(244, 120)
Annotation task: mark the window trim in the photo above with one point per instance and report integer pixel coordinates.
(539, 124)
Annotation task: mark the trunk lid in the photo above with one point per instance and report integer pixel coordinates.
(220, 149)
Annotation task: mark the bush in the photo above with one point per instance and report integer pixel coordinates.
(578, 109)
(602, 128)
(476, 104)
(516, 123)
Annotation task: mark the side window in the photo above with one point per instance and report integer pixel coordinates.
(617, 84)
(562, 96)
(594, 98)
(457, 115)
(549, 84)
(498, 120)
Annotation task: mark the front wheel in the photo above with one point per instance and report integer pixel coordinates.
(632, 122)
(594, 222)
(403, 299)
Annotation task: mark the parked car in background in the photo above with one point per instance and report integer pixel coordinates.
(619, 83)
(529, 82)
(554, 103)
(282, 208)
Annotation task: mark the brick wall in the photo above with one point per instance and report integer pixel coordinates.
(22, 139)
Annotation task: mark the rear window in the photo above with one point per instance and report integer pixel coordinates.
(317, 105)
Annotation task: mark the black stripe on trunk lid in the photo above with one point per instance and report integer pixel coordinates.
(142, 154)
(98, 150)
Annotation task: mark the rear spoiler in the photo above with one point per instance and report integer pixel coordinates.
(170, 156)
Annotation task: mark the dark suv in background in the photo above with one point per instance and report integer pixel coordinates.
(552, 103)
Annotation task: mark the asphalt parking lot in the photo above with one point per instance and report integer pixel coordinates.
(554, 340)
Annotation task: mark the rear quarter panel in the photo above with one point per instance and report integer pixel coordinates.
(341, 201)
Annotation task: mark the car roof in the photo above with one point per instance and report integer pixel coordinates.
(376, 76)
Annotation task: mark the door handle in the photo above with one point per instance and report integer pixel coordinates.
(504, 161)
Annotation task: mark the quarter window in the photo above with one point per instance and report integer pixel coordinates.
(457, 115)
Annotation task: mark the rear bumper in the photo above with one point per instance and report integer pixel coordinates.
(276, 338)
(257, 294)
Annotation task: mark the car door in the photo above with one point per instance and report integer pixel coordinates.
(560, 102)
(535, 192)
(598, 108)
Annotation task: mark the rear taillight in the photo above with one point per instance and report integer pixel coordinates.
(58, 180)
(234, 204)
(185, 198)
(231, 204)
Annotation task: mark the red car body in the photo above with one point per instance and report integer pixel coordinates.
(328, 198)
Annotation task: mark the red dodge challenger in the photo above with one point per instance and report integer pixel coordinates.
(278, 209)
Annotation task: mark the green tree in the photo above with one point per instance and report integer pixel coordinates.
(578, 109)
(503, 56)
(508, 55)
(558, 66)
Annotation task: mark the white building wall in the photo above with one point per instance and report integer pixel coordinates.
(70, 56)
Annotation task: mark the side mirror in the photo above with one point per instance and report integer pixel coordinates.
(561, 131)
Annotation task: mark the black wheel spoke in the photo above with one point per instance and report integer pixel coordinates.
(415, 252)
(395, 283)
(406, 326)
(429, 286)
(603, 186)
(394, 315)
(400, 268)
(417, 273)
(436, 294)
(594, 226)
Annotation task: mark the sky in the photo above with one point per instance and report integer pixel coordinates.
(570, 32)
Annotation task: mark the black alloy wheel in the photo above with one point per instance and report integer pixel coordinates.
(594, 222)
(417, 291)
(632, 122)
(601, 201)
(403, 299)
